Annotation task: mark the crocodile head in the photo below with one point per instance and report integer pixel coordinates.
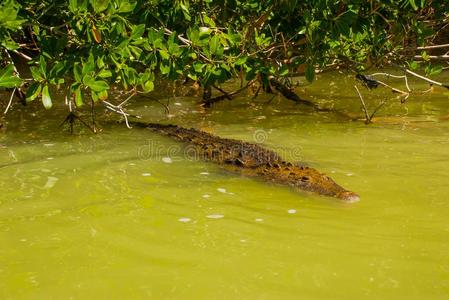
(314, 181)
(307, 179)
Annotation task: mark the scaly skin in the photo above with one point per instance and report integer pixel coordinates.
(253, 160)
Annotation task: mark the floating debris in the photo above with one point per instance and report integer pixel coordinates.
(215, 216)
(206, 196)
(259, 220)
(204, 173)
(167, 160)
(146, 174)
(51, 181)
(221, 190)
(184, 220)
(291, 211)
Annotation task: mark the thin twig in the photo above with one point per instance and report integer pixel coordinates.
(406, 83)
(377, 108)
(422, 77)
(22, 55)
(118, 110)
(392, 88)
(393, 76)
(367, 118)
(10, 101)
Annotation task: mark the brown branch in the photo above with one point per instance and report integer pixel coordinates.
(367, 117)
(288, 93)
(208, 102)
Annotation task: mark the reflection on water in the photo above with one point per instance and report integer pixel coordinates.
(92, 217)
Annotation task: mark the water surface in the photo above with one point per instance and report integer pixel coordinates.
(125, 215)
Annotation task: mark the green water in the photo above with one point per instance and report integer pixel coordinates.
(124, 215)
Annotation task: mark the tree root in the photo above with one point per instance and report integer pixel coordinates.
(72, 117)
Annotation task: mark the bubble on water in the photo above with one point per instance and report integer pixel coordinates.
(167, 160)
(259, 220)
(50, 158)
(184, 220)
(349, 174)
(291, 211)
(206, 196)
(131, 164)
(204, 173)
(215, 216)
(146, 174)
(221, 190)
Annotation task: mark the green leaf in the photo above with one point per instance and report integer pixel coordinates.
(126, 6)
(77, 73)
(137, 31)
(103, 95)
(198, 67)
(164, 54)
(105, 74)
(241, 60)
(43, 66)
(94, 96)
(46, 99)
(192, 76)
(148, 86)
(78, 97)
(283, 71)
(99, 5)
(73, 5)
(310, 73)
(57, 70)
(33, 91)
(165, 69)
(214, 43)
(8, 79)
(35, 72)
(89, 66)
(95, 85)
(413, 65)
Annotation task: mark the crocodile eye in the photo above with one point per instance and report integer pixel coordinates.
(305, 178)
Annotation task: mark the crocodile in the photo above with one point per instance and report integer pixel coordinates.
(252, 160)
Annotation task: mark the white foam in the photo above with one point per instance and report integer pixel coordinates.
(167, 160)
(184, 220)
(215, 216)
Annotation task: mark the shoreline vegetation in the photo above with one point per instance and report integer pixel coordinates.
(82, 49)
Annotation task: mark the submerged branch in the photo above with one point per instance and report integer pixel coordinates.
(288, 93)
(367, 117)
(422, 77)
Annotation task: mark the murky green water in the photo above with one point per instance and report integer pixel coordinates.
(123, 215)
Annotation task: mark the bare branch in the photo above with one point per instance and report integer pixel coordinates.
(422, 77)
(10, 101)
(367, 117)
